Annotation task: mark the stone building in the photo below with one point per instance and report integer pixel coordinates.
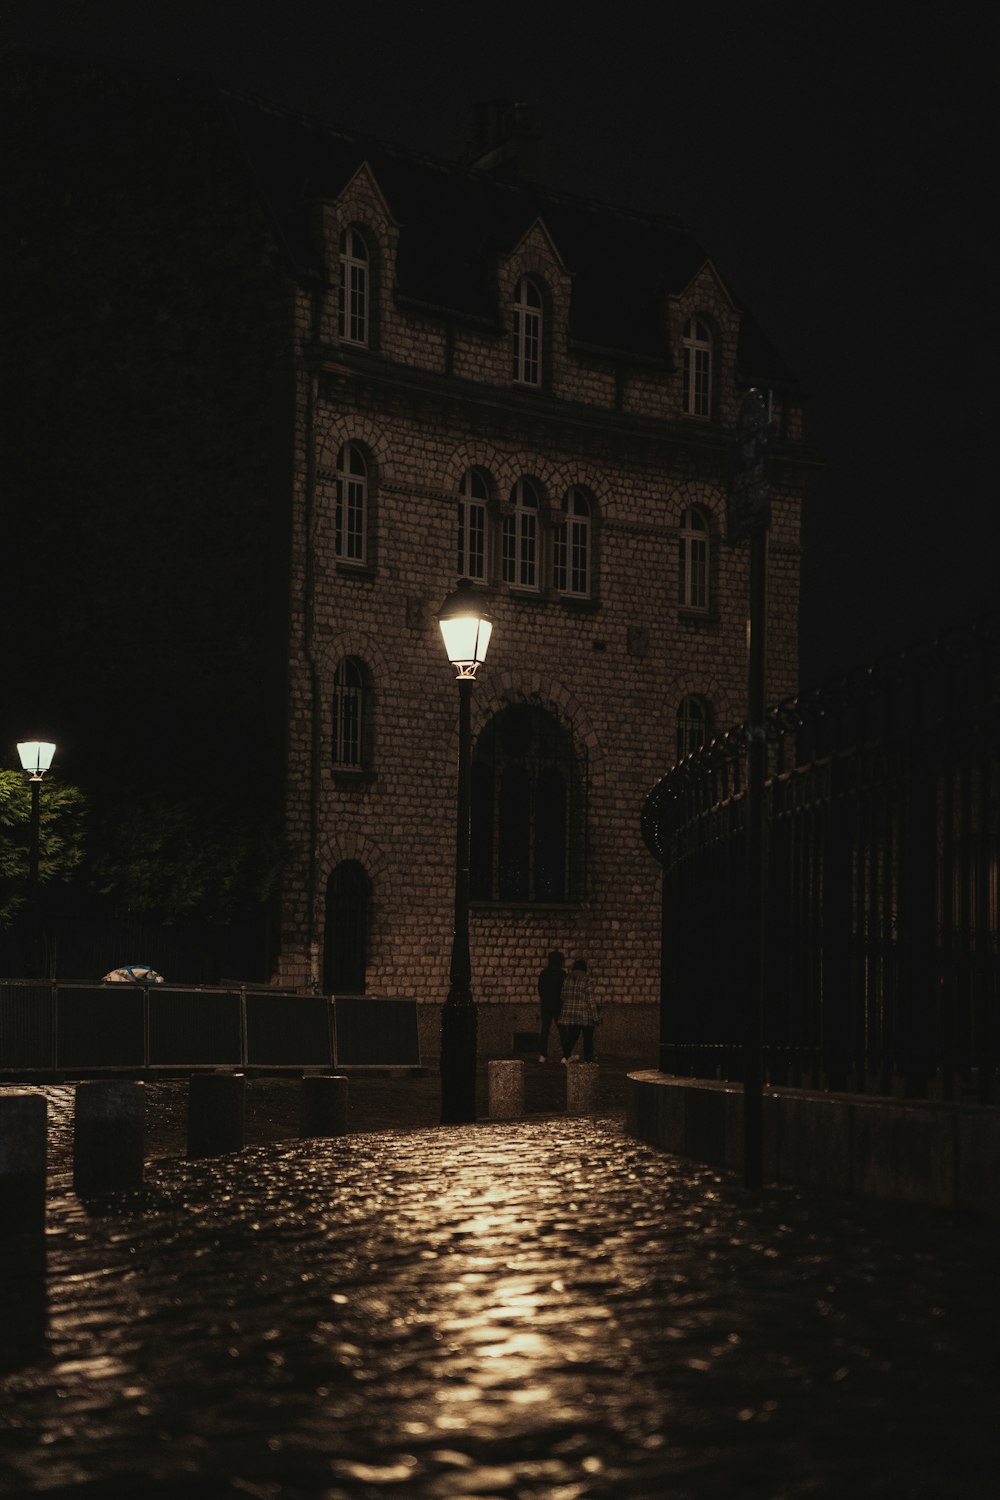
(316, 379)
(500, 382)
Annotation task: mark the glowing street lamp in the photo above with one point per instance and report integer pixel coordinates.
(466, 629)
(36, 758)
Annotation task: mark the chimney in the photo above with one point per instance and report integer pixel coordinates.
(505, 141)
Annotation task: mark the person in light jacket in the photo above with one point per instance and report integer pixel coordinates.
(579, 1014)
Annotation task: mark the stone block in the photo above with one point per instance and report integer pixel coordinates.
(506, 1088)
(324, 1105)
(216, 1114)
(23, 1153)
(582, 1081)
(109, 1125)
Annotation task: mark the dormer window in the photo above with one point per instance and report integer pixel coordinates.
(352, 303)
(697, 345)
(526, 344)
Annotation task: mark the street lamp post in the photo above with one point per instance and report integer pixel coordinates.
(466, 629)
(36, 758)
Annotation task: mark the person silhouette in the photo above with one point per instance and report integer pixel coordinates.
(550, 986)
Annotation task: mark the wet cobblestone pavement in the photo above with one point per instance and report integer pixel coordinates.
(543, 1308)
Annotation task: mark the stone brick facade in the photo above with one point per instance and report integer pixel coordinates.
(199, 262)
(427, 396)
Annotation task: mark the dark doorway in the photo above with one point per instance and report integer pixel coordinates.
(345, 944)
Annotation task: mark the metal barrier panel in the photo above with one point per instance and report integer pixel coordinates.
(27, 1025)
(194, 1028)
(288, 1031)
(377, 1032)
(101, 1027)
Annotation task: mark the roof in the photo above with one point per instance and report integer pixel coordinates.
(454, 221)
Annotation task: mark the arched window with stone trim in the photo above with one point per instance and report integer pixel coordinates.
(528, 810)
(526, 336)
(354, 288)
(351, 523)
(351, 727)
(346, 929)
(472, 560)
(693, 560)
(520, 537)
(572, 545)
(694, 725)
(696, 344)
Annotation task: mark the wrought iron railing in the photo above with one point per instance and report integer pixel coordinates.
(882, 848)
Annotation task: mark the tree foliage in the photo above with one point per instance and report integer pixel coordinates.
(62, 819)
(186, 858)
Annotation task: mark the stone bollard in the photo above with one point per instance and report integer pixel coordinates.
(109, 1140)
(581, 1087)
(324, 1105)
(23, 1148)
(216, 1113)
(506, 1089)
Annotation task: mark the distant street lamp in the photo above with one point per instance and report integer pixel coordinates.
(36, 758)
(466, 629)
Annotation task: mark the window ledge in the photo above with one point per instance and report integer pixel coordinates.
(697, 616)
(344, 776)
(576, 602)
(356, 570)
(526, 906)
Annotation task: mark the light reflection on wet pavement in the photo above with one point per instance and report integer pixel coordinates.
(543, 1308)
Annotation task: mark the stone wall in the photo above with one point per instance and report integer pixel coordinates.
(424, 402)
(914, 1151)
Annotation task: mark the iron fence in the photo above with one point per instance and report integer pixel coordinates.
(882, 810)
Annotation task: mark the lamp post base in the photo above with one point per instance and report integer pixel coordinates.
(459, 1035)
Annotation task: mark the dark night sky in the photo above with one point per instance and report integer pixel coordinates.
(836, 161)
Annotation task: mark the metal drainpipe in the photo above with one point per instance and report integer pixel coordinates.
(309, 621)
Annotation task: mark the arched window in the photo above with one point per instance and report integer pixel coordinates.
(351, 540)
(692, 560)
(345, 933)
(349, 716)
(526, 345)
(693, 725)
(571, 546)
(520, 537)
(697, 344)
(352, 294)
(528, 812)
(472, 532)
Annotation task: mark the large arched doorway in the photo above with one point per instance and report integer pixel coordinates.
(345, 934)
(528, 810)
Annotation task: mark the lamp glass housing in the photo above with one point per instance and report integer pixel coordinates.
(466, 630)
(36, 756)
